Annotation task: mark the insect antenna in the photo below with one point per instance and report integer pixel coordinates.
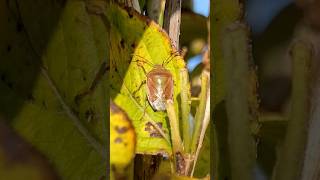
(173, 55)
(143, 60)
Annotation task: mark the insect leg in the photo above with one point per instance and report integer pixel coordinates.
(141, 66)
(145, 108)
(142, 59)
(139, 87)
(145, 105)
(173, 55)
(144, 70)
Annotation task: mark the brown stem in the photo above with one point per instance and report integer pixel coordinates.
(172, 20)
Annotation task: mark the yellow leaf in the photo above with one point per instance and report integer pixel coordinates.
(122, 138)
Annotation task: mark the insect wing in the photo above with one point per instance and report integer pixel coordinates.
(168, 88)
(159, 88)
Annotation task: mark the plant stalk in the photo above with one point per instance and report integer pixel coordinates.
(200, 112)
(311, 164)
(177, 146)
(185, 108)
(172, 21)
(240, 142)
(156, 10)
(174, 126)
(222, 12)
(205, 125)
(291, 155)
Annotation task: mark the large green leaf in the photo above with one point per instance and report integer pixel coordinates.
(51, 52)
(135, 34)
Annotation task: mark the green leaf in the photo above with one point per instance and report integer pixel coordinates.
(56, 51)
(135, 34)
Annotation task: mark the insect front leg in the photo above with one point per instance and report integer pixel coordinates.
(139, 63)
(145, 75)
(139, 87)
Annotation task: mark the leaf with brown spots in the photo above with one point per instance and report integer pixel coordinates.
(122, 140)
(135, 34)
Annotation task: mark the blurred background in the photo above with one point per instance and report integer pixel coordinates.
(274, 26)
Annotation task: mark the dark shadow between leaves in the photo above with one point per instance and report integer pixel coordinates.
(18, 156)
(21, 54)
(220, 126)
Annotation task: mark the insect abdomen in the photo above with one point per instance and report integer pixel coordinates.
(159, 88)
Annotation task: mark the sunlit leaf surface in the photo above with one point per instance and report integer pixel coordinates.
(134, 34)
